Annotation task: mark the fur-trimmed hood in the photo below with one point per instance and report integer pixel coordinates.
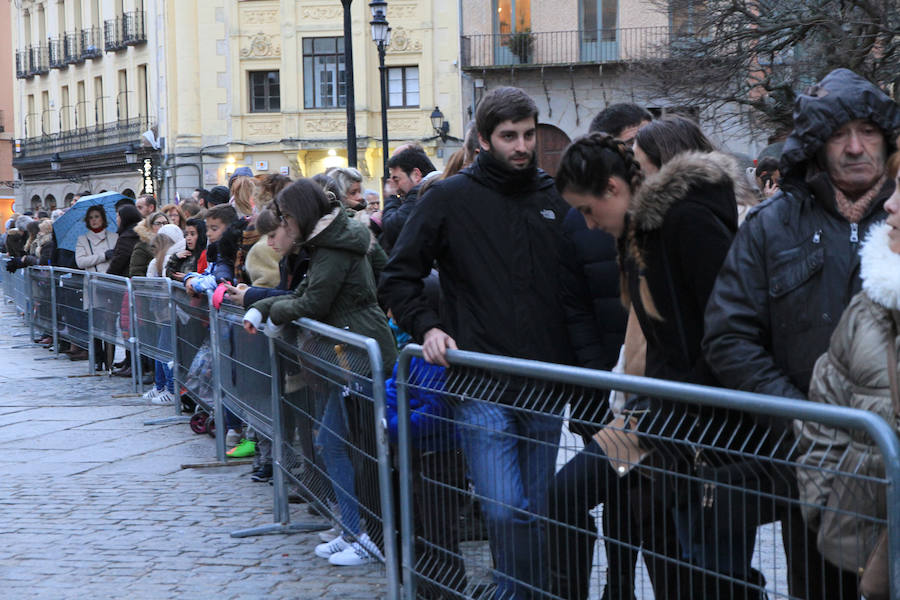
(880, 268)
(335, 230)
(144, 232)
(681, 176)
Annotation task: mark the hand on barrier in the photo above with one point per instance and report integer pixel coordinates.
(189, 288)
(435, 346)
(236, 294)
(252, 320)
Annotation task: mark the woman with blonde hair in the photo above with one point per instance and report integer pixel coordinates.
(243, 193)
(175, 214)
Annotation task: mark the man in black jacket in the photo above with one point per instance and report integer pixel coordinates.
(494, 230)
(408, 168)
(794, 266)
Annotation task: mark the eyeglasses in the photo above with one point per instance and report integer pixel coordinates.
(160, 223)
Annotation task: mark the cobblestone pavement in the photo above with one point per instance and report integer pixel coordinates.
(93, 504)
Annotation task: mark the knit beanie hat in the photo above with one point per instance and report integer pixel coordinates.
(173, 232)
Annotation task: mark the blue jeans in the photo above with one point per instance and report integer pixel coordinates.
(164, 377)
(331, 443)
(511, 456)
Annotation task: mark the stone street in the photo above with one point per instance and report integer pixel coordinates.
(93, 504)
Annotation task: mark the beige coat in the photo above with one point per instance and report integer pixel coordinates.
(853, 373)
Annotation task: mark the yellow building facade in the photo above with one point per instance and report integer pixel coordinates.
(262, 84)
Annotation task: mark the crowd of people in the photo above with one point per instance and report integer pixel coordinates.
(651, 252)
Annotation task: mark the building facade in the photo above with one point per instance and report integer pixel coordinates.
(87, 90)
(574, 59)
(262, 84)
(7, 114)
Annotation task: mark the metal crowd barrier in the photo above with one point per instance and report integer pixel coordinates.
(695, 481)
(330, 437)
(39, 281)
(111, 318)
(6, 279)
(71, 307)
(20, 293)
(194, 363)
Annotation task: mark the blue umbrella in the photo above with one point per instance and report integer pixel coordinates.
(71, 225)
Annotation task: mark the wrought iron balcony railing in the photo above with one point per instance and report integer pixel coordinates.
(23, 64)
(113, 38)
(91, 43)
(105, 134)
(133, 32)
(543, 48)
(55, 47)
(72, 48)
(38, 60)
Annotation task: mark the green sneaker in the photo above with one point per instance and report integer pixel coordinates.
(243, 450)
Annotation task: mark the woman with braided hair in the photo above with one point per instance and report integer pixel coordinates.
(672, 206)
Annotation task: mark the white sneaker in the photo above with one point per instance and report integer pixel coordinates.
(232, 438)
(328, 549)
(353, 556)
(327, 536)
(152, 394)
(163, 398)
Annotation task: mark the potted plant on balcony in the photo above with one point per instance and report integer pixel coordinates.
(521, 43)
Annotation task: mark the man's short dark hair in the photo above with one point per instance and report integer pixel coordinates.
(616, 117)
(218, 195)
(409, 159)
(224, 213)
(148, 199)
(123, 201)
(503, 104)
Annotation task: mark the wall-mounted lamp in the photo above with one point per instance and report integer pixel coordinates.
(55, 162)
(441, 127)
(131, 156)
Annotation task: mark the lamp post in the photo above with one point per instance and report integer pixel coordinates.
(441, 127)
(381, 35)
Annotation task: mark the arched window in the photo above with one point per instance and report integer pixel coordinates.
(128, 192)
(551, 143)
(35, 203)
(50, 202)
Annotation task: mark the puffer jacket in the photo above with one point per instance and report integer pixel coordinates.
(394, 217)
(853, 373)
(142, 253)
(339, 287)
(794, 266)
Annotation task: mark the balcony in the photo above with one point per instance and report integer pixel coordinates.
(37, 55)
(113, 38)
(133, 32)
(85, 138)
(538, 49)
(55, 47)
(91, 43)
(23, 64)
(72, 48)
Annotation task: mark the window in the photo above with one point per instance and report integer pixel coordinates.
(686, 16)
(403, 87)
(512, 16)
(143, 109)
(324, 77)
(265, 91)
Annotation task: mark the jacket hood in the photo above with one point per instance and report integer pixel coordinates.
(678, 177)
(144, 232)
(880, 268)
(495, 175)
(840, 97)
(336, 231)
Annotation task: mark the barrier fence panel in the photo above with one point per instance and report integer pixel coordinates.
(194, 368)
(72, 307)
(707, 491)
(39, 280)
(6, 278)
(332, 439)
(111, 315)
(21, 294)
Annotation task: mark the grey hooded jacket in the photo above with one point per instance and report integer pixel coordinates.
(794, 265)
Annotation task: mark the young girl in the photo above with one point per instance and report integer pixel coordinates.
(339, 289)
(188, 258)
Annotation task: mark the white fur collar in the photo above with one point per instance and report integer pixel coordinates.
(880, 268)
(324, 222)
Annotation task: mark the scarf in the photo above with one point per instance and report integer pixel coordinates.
(855, 211)
(98, 230)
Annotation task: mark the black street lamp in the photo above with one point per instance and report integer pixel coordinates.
(381, 35)
(441, 127)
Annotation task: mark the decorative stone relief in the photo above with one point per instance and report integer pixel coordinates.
(260, 17)
(261, 46)
(325, 125)
(323, 13)
(404, 124)
(401, 11)
(401, 41)
(266, 128)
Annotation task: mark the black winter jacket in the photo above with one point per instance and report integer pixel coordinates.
(497, 238)
(394, 217)
(794, 265)
(593, 304)
(121, 258)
